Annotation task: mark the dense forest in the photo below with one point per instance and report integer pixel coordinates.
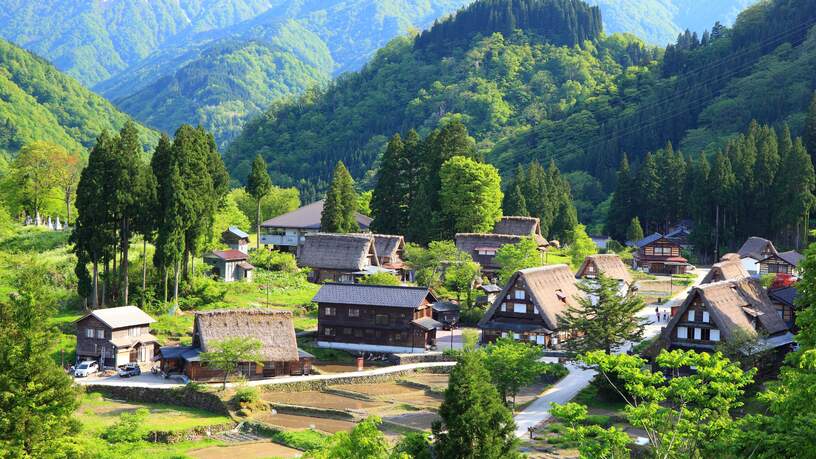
(526, 98)
(37, 102)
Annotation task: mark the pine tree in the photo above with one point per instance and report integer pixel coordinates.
(604, 319)
(621, 209)
(635, 232)
(810, 130)
(171, 239)
(340, 207)
(124, 173)
(514, 201)
(389, 204)
(648, 193)
(258, 185)
(565, 215)
(475, 423)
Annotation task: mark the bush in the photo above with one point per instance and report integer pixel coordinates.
(471, 316)
(598, 420)
(381, 279)
(247, 396)
(202, 291)
(553, 372)
(273, 260)
(304, 440)
(414, 445)
(128, 429)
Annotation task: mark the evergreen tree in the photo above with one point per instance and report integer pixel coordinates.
(475, 423)
(123, 201)
(160, 164)
(144, 220)
(565, 215)
(604, 319)
(514, 201)
(258, 185)
(389, 204)
(621, 209)
(810, 130)
(171, 239)
(648, 193)
(635, 232)
(340, 208)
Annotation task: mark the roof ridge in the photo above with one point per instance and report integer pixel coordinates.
(347, 284)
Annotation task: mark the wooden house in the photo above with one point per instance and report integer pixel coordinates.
(115, 336)
(491, 291)
(659, 255)
(229, 265)
(784, 301)
(754, 250)
(529, 306)
(783, 262)
(521, 226)
(236, 239)
(482, 247)
(610, 265)
(279, 354)
(287, 232)
(340, 257)
(446, 313)
(389, 250)
(374, 318)
(721, 311)
(730, 269)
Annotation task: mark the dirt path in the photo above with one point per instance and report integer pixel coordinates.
(245, 451)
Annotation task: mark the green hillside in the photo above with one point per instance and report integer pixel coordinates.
(524, 97)
(37, 102)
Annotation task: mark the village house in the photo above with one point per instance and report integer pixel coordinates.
(491, 291)
(287, 232)
(754, 250)
(657, 254)
(521, 226)
(781, 263)
(229, 265)
(115, 336)
(235, 239)
(726, 310)
(482, 247)
(340, 257)
(529, 305)
(446, 313)
(784, 300)
(274, 329)
(389, 250)
(610, 265)
(374, 318)
(727, 269)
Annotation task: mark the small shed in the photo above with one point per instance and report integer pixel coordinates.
(230, 265)
(236, 239)
(446, 313)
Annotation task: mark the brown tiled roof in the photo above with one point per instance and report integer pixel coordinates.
(308, 217)
(347, 252)
(754, 246)
(609, 264)
(732, 304)
(521, 226)
(725, 270)
(273, 328)
(552, 290)
(229, 255)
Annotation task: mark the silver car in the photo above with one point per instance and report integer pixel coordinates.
(86, 368)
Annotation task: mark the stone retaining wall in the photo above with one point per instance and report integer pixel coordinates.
(160, 436)
(310, 411)
(402, 359)
(182, 396)
(323, 384)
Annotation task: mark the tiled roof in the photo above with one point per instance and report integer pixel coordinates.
(308, 217)
(372, 295)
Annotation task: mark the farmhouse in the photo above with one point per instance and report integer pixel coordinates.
(658, 254)
(727, 310)
(340, 257)
(521, 226)
(274, 329)
(529, 305)
(375, 318)
(286, 232)
(784, 262)
(610, 265)
(784, 300)
(115, 336)
(725, 270)
(446, 313)
(229, 265)
(482, 247)
(235, 239)
(389, 250)
(753, 251)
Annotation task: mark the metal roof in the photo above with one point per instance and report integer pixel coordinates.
(648, 240)
(121, 317)
(372, 295)
(427, 323)
(308, 217)
(234, 230)
(445, 306)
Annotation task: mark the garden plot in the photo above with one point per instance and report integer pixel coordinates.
(295, 422)
(379, 390)
(431, 380)
(245, 451)
(418, 420)
(320, 400)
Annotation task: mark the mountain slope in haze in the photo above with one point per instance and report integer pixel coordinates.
(38, 102)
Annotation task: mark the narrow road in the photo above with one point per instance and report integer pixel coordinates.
(578, 378)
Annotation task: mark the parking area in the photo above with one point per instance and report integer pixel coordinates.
(143, 380)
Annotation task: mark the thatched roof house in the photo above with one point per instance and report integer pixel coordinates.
(757, 248)
(274, 329)
(609, 264)
(340, 257)
(530, 304)
(725, 270)
(521, 226)
(483, 247)
(389, 249)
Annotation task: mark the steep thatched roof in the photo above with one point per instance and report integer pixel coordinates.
(730, 256)
(754, 248)
(472, 243)
(610, 265)
(388, 246)
(734, 305)
(346, 252)
(521, 226)
(725, 270)
(273, 328)
(552, 289)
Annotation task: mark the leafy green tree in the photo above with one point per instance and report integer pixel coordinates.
(414, 445)
(431, 264)
(593, 441)
(365, 441)
(581, 247)
(475, 423)
(381, 279)
(460, 277)
(38, 398)
(258, 186)
(634, 232)
(340, 207)
(225, 355)
(604, 319)
(514, 257)
(67, 170)
(129, 427)
(364, 202)
(470, 196)
(33, 174)
(513, 365)
(277, 202)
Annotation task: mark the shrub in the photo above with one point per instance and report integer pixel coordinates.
(381, 279)
(273, 260)
(128, 428)
(471, 316)
(202, 291)
(247, 396)
(554, 372)
(598, 420)
(304, 440)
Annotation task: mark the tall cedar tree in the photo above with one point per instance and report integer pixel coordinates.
(389, 203)
(258, 185)
(635, 232)
(470, 196)
(144, 221)
(604, 319)
(340, 208)
(620, 209)
(39, 399)
(514, 201)
(124, 173)
(475, 423)
(160, 164)
(810, 129)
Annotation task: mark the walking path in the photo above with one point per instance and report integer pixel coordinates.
(578, 378)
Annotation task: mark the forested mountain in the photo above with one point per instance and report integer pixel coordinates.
(37, 102)
(526, 98)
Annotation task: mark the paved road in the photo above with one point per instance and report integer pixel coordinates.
(579, 378)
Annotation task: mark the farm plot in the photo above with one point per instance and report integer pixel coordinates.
(245, 451)
(320, 400)
(296, 422)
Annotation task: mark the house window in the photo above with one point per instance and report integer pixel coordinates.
(346, 331)
(504, 307)
(691, 316)
(705, 316)
(698, 334)
(504, 334)
(520, 308)
(381, 319)
(135, 331)
(516, 336)
(590, 269)
(328, 331)
(89, 333)
(490, 252)
(330, 311)
(705, 334)
(100, 334)
(354, 312)
(682, 333)
(519, 294)
(540, 340)
(346, 278)
(714, 334)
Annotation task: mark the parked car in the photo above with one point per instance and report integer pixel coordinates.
(129, 369)
(86, 368)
